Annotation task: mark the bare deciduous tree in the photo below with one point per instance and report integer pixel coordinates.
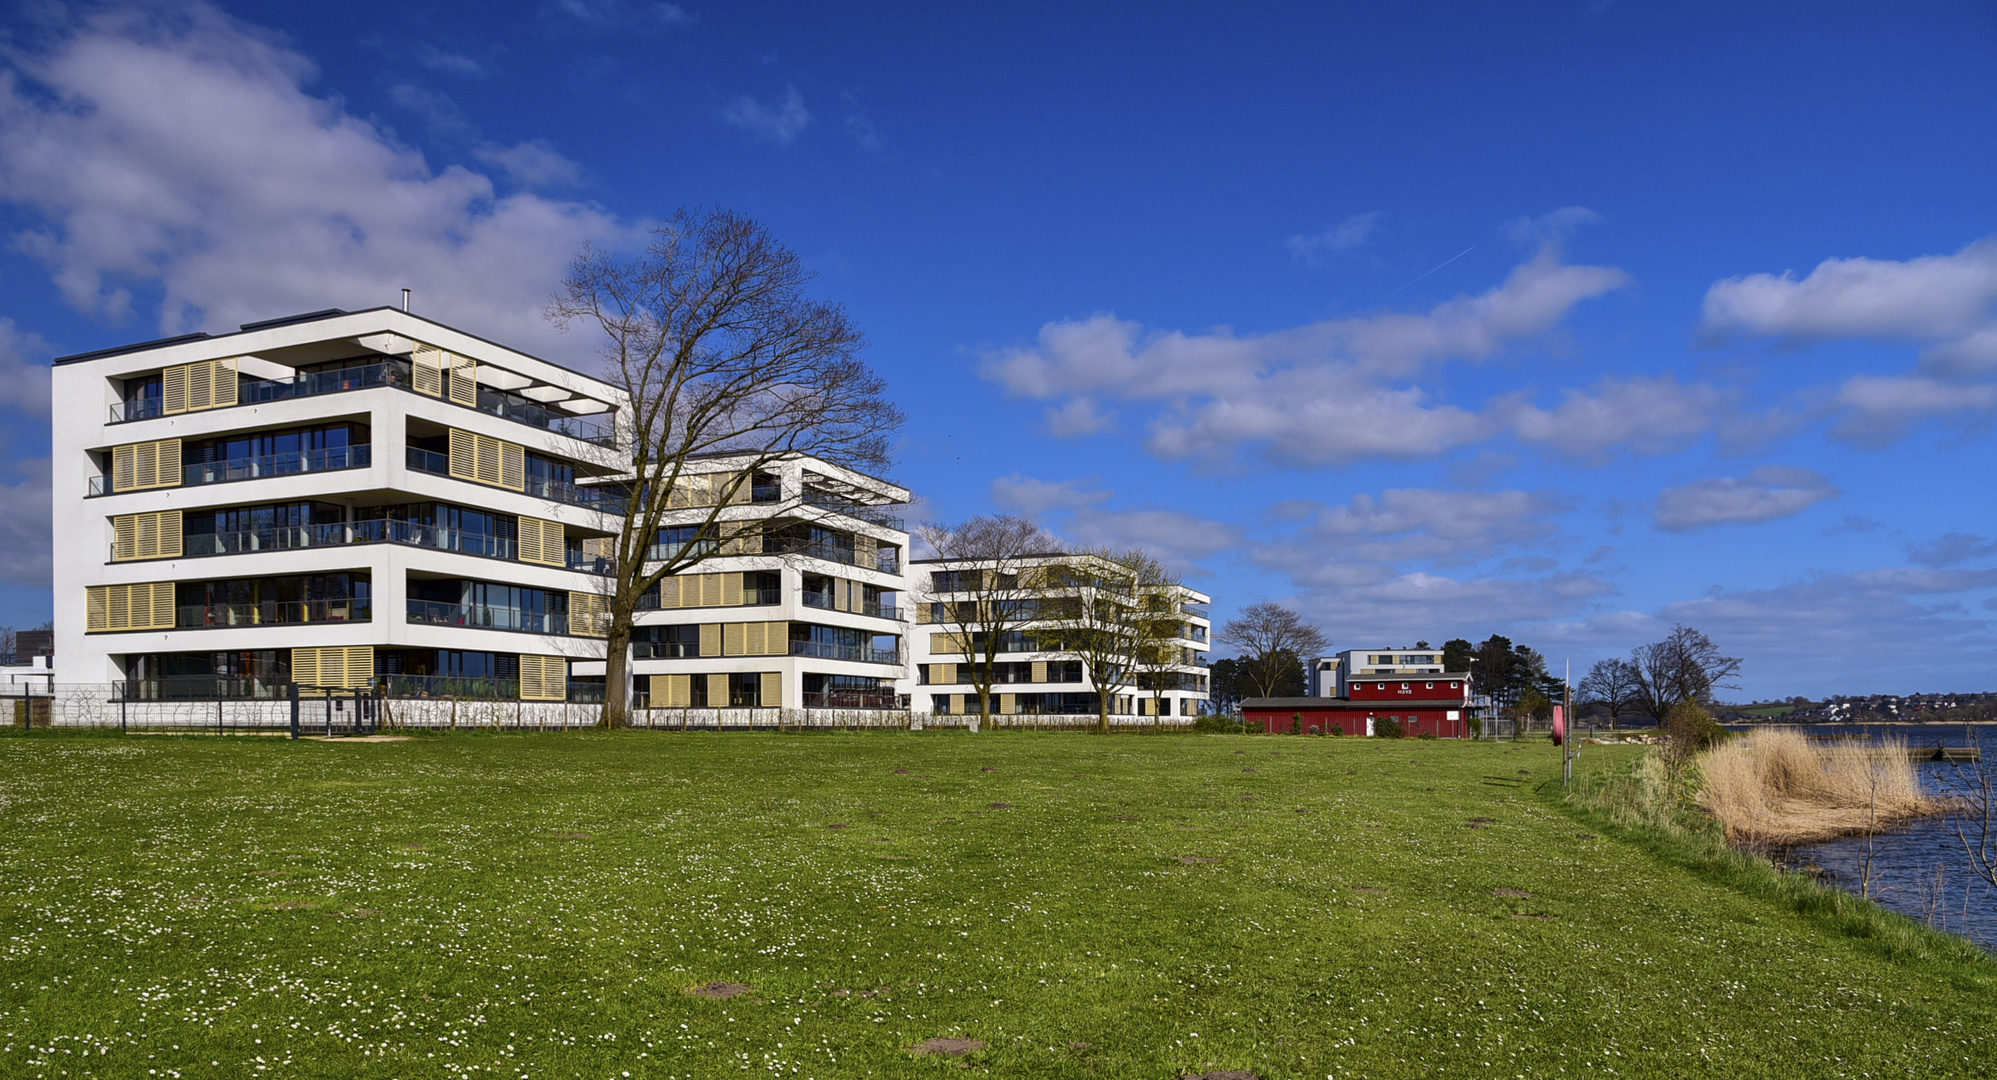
(1158, 655)
(1095, 609)
(1685, 667)
(987, 595)
(1613, 683)
(1264, 630)
(711, 336)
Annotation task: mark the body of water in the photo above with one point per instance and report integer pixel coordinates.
(1921, 869)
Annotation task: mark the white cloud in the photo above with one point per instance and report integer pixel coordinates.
(1931, 298)
(24, 369)
(1946, 302)
(1332, 391)
(180, 152)
(1082, 517)
(1767, 493)
(1648, 415)
(1552, 227)
(780, 123)
(1877, 409)
(450, 63)
(532, 164)
(1313, 248)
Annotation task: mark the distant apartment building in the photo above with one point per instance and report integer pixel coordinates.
(1330, 675)
(798, 605)
(1036, 677)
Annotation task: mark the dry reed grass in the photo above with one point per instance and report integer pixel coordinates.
(1774, 788)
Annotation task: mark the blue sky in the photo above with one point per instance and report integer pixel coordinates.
(1568, 321)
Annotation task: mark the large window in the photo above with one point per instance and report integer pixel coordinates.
(270, 443)
(337, 597)
(257, 673)
(843, 643)
(666, 642)
(487, 604)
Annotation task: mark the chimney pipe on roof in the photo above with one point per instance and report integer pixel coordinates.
(405, 300)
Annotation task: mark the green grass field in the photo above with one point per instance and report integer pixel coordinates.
(542, 906)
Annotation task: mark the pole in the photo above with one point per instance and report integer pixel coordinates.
(294, 710)
(1567, 748)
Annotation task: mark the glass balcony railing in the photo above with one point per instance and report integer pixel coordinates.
(486, 617)
(852, 699)
(271, 613)
(878, 515)
(472, 687)
(428, 461)
(395, 373)
(825, 650)
(295, 463)
(878, 611)
(283, 538)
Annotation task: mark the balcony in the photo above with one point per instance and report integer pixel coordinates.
(472, 687)
(271, 613)
(394, 373)
(868, 512)
(296, 463)
(824, 602)
(887, 560)
(605, 500)
(865, 654)
(853, 699)
(486, 617)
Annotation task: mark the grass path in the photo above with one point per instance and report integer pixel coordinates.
(540, 906)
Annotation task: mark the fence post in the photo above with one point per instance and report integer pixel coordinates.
(124, 728)
(218, 709)
(294, 711)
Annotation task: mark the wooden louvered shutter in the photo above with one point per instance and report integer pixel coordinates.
(1040, 671)
(1007, 704)
(464, 455)
(173, 390)
(542, 542)
(710, 639)
(145, 465)
(200, 387)
(169, 534)
(771, 694)
(225, 383)
(305, 667)
(485, 465)
(589, 614)
(865, 553)
(731, 639)
(464, 380)
(512, 467)
(669, 593)
(710, 590)
(163, 611)
(427, 367)
(544, 678)
(119, 609)
(943, 674)
(146, 542)
(731, 590)
(124, 471)
(166, 463)
(125, 537)
(96, 607)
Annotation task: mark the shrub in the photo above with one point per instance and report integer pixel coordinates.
(1296, 723)
(1689, 729)
(1476, 727)
(1333, 729)
(1388, 728)
(1426, 735)
(1315, 730)
(1216, 724)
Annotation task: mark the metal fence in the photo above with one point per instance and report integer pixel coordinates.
(309, 711)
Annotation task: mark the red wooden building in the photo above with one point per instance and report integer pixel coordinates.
(1435, 704)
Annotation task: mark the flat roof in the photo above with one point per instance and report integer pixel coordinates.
(306, 317)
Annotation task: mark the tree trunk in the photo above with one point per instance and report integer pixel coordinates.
(616, 674)
(1102, 713)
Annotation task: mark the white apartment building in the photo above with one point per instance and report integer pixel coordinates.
(1331, 675)
(800, 611)
(329, 499)
(371, 498)
(1032, 680)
